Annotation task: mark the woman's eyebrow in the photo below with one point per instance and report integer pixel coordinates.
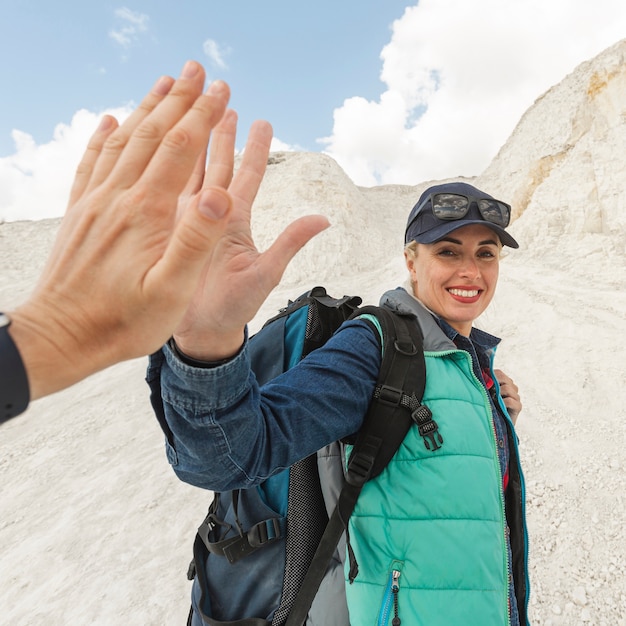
(486, 242)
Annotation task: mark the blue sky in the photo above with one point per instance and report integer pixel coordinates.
(288, 62)
(395, 91)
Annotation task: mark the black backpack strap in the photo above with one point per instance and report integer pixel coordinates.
(398, 374)
(400, 385)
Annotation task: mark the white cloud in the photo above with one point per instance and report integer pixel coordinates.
(216, 53)
(280, 146)
(35, 181)
(459, 75)
(133, 24)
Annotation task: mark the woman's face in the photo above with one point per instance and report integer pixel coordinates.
(456, 277)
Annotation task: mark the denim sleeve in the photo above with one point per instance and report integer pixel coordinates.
(225, 432)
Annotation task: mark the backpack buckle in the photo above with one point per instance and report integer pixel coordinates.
(428, 427)
(389, 395)
(264, 532)
(258, 536)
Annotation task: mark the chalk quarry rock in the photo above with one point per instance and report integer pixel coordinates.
(563, 167)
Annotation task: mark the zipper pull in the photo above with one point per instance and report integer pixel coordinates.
(395, 579)
(395, 588)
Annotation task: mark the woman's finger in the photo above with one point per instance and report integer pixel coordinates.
(219, 172)
(247, 179)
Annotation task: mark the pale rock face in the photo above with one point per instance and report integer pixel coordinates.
(563, 167)
(298, 184)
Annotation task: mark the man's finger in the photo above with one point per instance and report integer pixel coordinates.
(191, 244)
(86, 166)
(162, 128)
(197, 178)
(113, 148)
(170, 167)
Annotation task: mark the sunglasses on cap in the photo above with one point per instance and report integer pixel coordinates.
(454, 206)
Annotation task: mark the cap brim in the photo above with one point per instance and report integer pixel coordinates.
(439, 232)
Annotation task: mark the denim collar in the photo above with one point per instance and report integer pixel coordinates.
(484, 343)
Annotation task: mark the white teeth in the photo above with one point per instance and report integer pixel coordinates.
(463, 293)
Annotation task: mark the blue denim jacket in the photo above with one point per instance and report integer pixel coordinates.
(219, 427)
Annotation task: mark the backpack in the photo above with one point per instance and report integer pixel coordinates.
(249, 552)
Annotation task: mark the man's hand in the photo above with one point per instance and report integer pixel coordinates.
(123, 269)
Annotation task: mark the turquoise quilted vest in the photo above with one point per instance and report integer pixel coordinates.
(429, 533)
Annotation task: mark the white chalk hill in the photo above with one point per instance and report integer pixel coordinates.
(96, 529)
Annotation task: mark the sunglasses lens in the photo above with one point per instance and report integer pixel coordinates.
(449, 206)
(495, 212)
(455, 206)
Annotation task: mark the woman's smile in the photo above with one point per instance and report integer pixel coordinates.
(464, 295)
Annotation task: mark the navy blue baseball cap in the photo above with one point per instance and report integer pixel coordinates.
(457, 205)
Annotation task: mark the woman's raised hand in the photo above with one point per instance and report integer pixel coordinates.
(238, 278)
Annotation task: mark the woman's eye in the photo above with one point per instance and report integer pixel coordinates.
(487, 254)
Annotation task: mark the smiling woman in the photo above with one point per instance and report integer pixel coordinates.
(461, 503)
(456, 276)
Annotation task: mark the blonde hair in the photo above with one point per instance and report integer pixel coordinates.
(410, 253)
(410, 249)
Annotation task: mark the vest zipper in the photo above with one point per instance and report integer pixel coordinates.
(507, 565)
(390, 600)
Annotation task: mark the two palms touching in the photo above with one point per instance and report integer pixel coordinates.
(132, 253)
